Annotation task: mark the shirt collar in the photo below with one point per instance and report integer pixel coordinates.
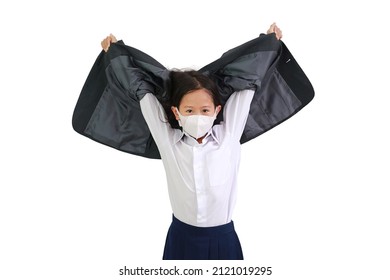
(180, 134)
(212, 132)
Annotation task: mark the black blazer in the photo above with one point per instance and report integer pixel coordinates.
(108, 109)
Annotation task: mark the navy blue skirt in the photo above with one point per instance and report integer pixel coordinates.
(187, 242)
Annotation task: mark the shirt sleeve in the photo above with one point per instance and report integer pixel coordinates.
(156, 119)
(236, 112)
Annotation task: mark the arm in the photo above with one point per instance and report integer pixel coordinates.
(265, 65)
(236, 113)
(132, 71)
(151, 108)
(156, 119)
(108, 108)
(238, 105)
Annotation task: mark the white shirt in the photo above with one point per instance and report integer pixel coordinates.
(202, 178)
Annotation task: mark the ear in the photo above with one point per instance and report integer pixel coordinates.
(218, 109)
(174, 110)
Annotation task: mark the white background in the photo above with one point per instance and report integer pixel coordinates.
(313, 200)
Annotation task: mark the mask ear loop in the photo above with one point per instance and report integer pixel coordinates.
(180, 116)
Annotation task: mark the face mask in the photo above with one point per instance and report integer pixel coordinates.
(196, 125)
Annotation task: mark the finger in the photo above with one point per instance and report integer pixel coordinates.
(113, 38)
(103, 44)
(280, 33)
(106, 44)
(270, 30)
(277, 34)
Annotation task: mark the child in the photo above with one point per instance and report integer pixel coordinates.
(201, 155)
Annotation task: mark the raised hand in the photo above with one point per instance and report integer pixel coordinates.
(275, 29)
(107, 42)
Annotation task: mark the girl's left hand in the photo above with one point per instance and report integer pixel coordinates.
(107, 42)
(275, 29)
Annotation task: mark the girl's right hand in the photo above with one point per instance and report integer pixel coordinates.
(275, 29)
(107, 42)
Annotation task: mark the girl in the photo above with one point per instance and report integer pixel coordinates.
(200, 155)
(201, 162)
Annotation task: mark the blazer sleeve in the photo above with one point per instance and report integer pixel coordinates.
(108, 109)
(265, 65)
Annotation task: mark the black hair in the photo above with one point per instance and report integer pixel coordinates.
(183, 82)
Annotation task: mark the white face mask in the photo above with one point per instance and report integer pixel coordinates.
(196, 125)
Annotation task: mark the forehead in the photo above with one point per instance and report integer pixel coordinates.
(198, 97)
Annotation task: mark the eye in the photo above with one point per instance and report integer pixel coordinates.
(189, 111)
(206, 110)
